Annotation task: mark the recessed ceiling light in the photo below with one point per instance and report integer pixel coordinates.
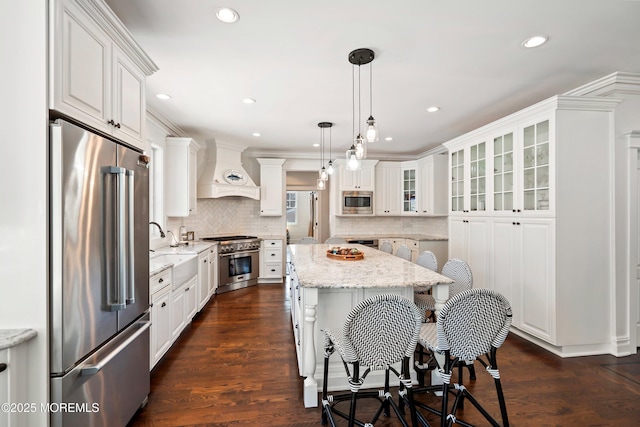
(255, 134)
(315, 144)
(535, 41)
(388, 138)
(163, 96)
(433, 109)
(227, 15)
(249, 101)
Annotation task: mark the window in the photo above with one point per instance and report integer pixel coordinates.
(292, 212)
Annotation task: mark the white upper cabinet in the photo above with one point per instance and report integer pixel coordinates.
(98, 70)
(272, 187)
(387, 197)
(180, 174)
(432, 185)
(362, 179)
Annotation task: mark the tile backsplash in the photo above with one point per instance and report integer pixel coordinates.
(389, 226)
(229, 216)
(240, 215)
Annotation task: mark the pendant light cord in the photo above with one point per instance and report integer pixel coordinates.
(370, 89)
(353, 100)
(359, 98)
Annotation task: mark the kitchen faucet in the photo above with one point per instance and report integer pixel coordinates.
(159, 228)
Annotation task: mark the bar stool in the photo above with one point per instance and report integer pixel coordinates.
(308, 241)
(472, 325)
(379, 332)
(404, 252)
(386, 247)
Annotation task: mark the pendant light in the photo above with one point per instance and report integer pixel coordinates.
(359, 57)
(323, 175)
(372, 126)
(329, 170)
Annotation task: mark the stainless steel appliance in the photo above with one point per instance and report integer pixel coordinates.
(99, 286)
(372, 243)
(238, 261)
(357, 202)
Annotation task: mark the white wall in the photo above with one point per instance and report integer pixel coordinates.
(23, 186)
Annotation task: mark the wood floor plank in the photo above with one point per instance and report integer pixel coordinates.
(235, 365)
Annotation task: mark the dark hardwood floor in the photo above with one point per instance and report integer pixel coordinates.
(235, 365)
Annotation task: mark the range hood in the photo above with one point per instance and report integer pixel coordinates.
(223, 174)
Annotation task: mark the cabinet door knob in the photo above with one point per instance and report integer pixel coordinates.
(164, 304)
(118, 125)
(111, 122)
(161, 280)
(3, 367)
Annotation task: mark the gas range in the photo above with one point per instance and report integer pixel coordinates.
(231, 244)
(238, 261)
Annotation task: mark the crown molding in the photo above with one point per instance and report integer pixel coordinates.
(613, 84)
(171, 127)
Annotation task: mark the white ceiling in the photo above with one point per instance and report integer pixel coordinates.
(464, 56)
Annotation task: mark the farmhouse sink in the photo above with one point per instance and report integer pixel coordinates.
(185, 266)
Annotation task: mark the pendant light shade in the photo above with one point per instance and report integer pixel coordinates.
(322, 184)
(361, 147)
(353, 163)
(372, 130)
(330, 168)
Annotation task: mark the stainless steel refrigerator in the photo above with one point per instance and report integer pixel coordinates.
(99, 281)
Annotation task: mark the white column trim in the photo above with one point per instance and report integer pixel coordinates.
(633, 150)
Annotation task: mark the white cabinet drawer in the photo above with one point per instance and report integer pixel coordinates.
(272, 255)
(273, 269)
(269, 243)
(159, 281)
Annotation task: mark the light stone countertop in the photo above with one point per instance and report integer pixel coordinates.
(195, 248)
(418, 237)
(12, 337)
(377, 269)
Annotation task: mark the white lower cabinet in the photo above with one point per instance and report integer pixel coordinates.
(161, 333)
(213, 270)
(271, 261)
(13, 387)
(204, 279)
(523, 270)
(468, 242)
(185, 305)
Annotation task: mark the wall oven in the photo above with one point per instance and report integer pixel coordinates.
(357, 202)
(238, 262)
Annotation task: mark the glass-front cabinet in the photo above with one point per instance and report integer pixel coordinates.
(477, 177)
(409, 191)
(503, 182)
(535, 167)
(507, 171)
(457, 181)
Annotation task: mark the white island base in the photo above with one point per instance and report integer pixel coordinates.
(323, 292)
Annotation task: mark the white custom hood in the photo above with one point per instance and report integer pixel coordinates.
(224, 175)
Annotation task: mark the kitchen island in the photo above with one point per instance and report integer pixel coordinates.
(324, 290)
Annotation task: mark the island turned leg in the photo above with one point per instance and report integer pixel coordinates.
(440, 293)
(309, 348)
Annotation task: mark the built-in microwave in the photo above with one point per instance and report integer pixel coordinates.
(357, 202)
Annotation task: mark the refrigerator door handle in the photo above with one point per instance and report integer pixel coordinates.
(116, 287)
(130, 249)
(94, 369)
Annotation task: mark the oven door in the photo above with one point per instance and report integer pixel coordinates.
(238, 269)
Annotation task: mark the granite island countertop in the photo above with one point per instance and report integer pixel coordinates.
(418, 237)
(377, 270)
